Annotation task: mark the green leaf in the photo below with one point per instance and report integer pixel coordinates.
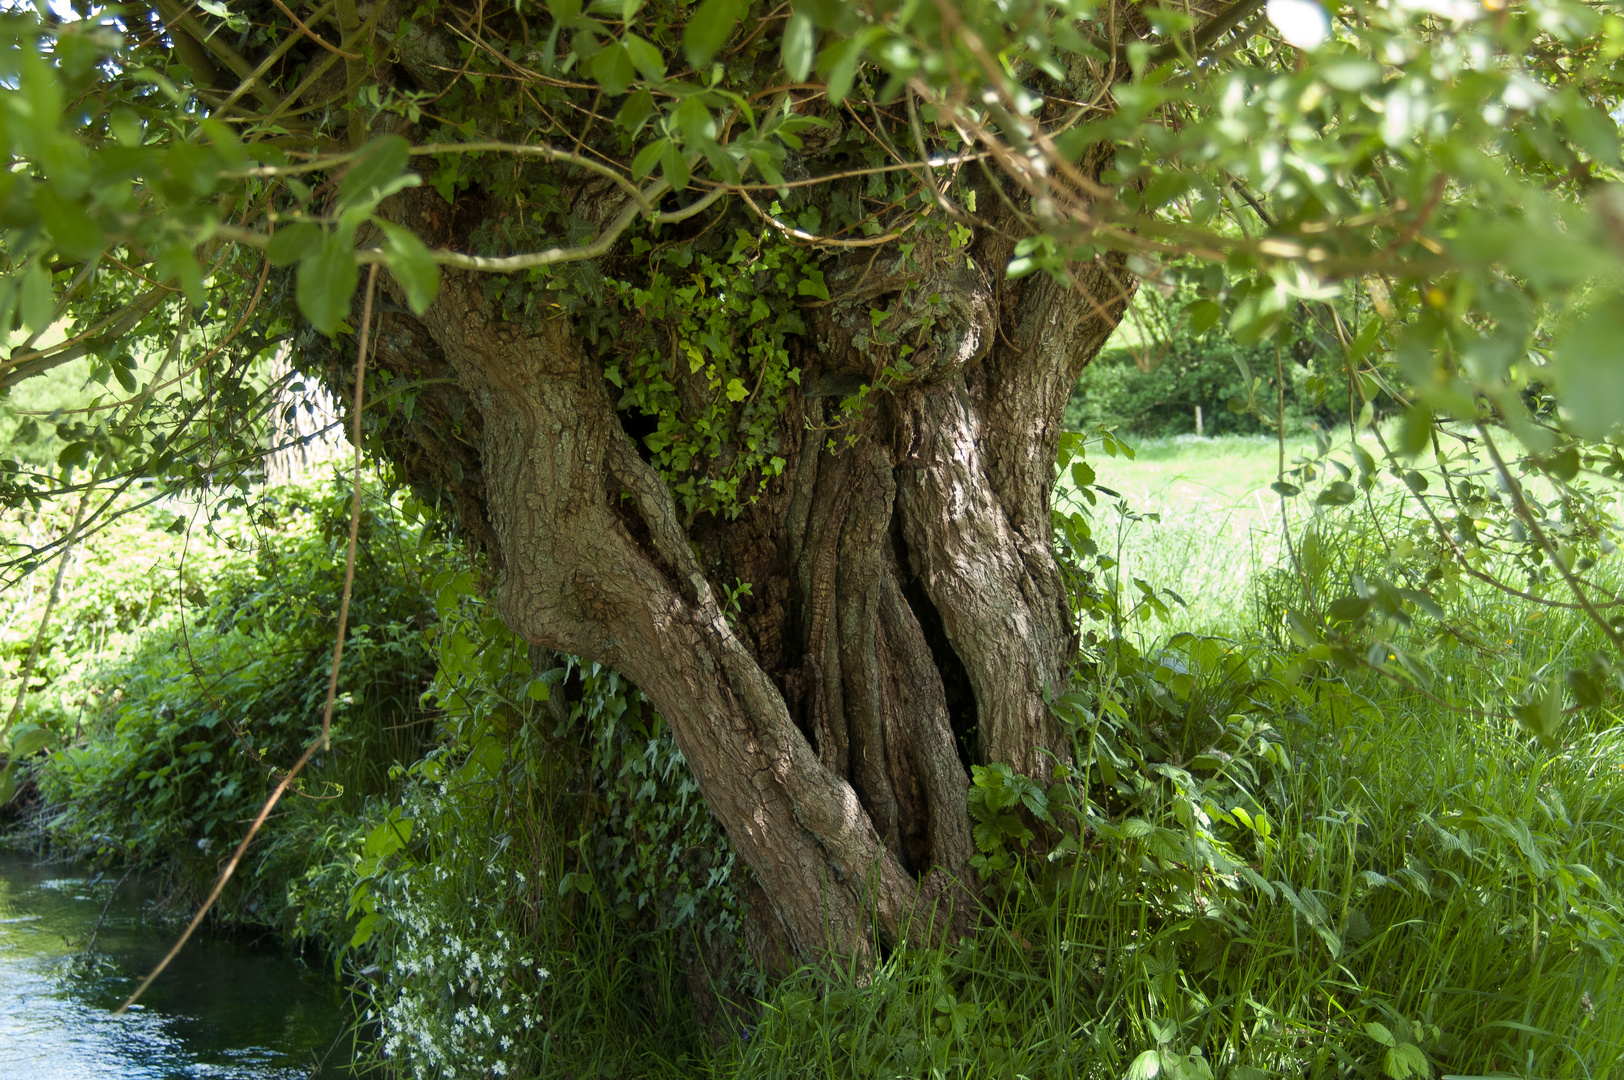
(636, 112)
(648, 157)
(708, 29)
(37, 301)
(1349, 609)
(799, 46)
(613, 69)
(1541, 712)
(695, 122)
(673, 167)
(1404, 1061)
(1349, 73)
(121, 372)
(176, 263)
(1589, 364)
(1415, 435)
(812, 285)
(1337, 493)
(736, 390)
(839, 61)
(8, 782)
(1144, 1067)
(377, 173)
(30, 742)
(290, 243)
(388, 838)
(72, 229)
(327, 279)
(409, 261)
(645, 57)
(1204, 315)
(365, 929)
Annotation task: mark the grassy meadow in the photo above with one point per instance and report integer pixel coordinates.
(1195, 515)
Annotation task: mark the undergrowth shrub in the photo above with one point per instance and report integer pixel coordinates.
(550, 892)
(192, 728)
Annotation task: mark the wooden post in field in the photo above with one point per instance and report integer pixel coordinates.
(1198, 421)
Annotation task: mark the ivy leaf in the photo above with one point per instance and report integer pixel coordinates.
(736, 390)
(327, 279)
(812, 285)
(800, 40)
(409, 261)
(708, 29)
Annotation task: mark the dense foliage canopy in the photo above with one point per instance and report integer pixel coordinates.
(1434, 183)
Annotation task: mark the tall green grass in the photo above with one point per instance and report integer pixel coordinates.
(1293, 870)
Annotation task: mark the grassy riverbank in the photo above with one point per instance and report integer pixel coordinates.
(1273, 868)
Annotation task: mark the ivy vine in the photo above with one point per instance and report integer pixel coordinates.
(708, 359)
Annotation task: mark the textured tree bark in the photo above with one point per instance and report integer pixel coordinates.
(907, 616)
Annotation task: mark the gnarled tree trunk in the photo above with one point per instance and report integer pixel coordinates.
(906, 615)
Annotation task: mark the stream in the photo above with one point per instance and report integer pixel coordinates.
(224, 1008)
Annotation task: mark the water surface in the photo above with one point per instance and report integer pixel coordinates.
(224, 1008)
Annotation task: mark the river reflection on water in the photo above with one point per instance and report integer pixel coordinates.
(222, 1009)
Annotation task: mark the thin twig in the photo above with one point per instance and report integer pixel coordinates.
(225, 876)
(355, 512)
(91, 944)
(332, 682)
(1523, 511)
(311, 34)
